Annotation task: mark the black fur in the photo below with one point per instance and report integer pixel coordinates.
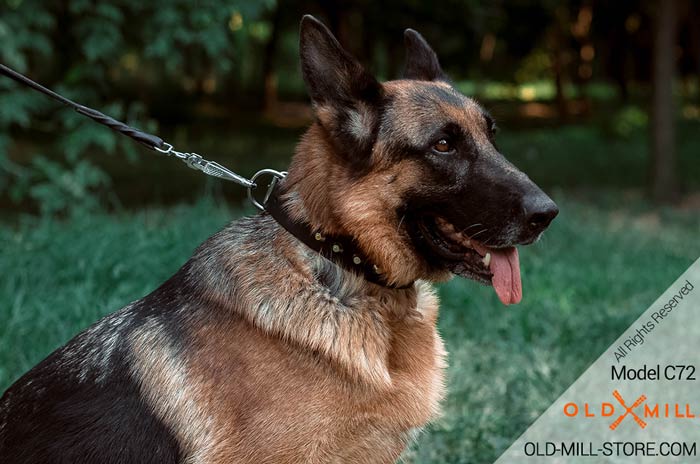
(64, 412)
(331, 74)
(429, 95)
(421, 61)
(56, 419)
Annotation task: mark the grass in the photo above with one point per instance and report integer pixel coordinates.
(601, 264)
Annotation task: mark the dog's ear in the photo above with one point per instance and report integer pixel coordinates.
(421, 61)
(346, 98)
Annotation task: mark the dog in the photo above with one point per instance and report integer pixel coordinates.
(268, 346)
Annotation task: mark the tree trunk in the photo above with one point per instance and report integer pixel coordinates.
(694, 45)
(664, 182)
(558, 38)
(269, 74)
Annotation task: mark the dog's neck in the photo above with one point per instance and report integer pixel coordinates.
(292, 293)
(311, 184)
(323, 190)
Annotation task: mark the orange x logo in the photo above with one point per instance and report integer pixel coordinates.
(628, 410)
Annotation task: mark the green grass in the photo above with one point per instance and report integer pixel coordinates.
(601, 264)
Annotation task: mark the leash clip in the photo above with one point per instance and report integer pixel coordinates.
(211, 168)
(275, 177)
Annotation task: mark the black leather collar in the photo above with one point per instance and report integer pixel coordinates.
(342, 250)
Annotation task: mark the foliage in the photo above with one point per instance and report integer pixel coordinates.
(629, 120)
(593, 273)
(163, 64)
(106, 55)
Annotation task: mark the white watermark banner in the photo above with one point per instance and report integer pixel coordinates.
(638, 402)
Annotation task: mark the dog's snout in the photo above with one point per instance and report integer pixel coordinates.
(540, 210)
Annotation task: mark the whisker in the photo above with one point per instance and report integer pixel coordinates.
(469, 227)
(400, 222)
(480, 232)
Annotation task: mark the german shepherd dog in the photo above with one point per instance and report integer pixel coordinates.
(262, 350)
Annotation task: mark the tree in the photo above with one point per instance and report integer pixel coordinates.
(664, 182)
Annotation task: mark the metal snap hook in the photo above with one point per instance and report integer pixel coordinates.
(276, 176)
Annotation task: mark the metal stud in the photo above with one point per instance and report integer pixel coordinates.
(336, 248)
(356, 259)
(377, 269)
(319, 237)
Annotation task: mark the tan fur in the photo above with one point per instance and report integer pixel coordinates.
(289, 373)
(408, 117)
(362, 213)
(163, 374)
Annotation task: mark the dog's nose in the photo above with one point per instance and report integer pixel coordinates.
(540, 210)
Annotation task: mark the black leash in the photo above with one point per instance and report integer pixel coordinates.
(150, 141)
(342, 250)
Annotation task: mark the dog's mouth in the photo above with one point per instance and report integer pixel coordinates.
(469, 258)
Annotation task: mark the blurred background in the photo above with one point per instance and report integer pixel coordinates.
(598, 101)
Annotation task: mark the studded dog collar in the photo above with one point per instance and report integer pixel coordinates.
(342, 250)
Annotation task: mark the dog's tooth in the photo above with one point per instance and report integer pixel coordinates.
(487, 259)
(446, 226)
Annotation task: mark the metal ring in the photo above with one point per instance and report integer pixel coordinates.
(165, 151)
(276, 176)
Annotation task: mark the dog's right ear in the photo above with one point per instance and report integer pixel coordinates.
(346, 98)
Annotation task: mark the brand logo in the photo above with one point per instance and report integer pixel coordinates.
(641, 411)
(628, 410)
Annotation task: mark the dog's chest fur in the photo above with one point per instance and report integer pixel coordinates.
(290, 359)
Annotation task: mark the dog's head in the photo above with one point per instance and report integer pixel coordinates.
(411, 170)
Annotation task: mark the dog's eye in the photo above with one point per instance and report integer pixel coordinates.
(442, 146)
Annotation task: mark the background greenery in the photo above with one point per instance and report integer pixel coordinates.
(90, 221)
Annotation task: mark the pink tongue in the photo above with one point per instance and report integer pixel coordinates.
(505, 267)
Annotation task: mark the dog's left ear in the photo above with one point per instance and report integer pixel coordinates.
(346, 98)
(421, 61)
